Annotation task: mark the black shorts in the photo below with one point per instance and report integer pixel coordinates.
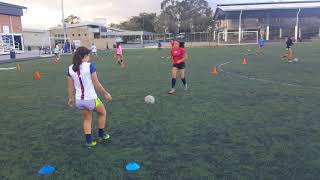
(180, 65)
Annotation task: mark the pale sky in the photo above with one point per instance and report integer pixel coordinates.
(47, 13)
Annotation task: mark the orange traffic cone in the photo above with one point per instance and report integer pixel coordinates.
(214, 71)
(244, 61)
(37, 75)
(18, 67)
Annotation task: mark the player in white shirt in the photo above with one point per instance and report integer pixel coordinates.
(83, 78)
(94, 50)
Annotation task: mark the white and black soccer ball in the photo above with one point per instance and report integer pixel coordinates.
(296, 60)
(149, 99)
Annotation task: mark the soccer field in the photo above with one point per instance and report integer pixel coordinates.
(254, 121)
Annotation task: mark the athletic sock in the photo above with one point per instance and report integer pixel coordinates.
(101, 132)
(88, 138)
(173, 83)
(184, 81)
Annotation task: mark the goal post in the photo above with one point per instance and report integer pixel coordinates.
(50, 43)
(232, 38)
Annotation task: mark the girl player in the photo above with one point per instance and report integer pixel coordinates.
(118, 56)
(83, 78)
(94, 51)
(262, 42)
(56, 52)
(289, 44)
(179, 56)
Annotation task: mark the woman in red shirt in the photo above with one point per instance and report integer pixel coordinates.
(179, 56)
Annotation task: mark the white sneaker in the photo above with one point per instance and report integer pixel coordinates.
(172, 91)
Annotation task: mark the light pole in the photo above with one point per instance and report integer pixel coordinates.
(64, 24)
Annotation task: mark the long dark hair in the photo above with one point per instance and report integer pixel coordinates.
(80, 53)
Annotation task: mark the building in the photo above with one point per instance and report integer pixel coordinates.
(11, 27)
(86, 33)
(35, 38)
(82, 34)
(273, 20)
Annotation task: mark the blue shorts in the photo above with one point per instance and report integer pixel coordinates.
(90, 105)
(261, 45)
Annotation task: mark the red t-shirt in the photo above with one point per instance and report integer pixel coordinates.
(177, 54)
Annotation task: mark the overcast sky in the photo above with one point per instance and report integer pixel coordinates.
(47, 13)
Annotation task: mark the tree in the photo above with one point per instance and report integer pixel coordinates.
(176, 16)
(145, 21)
(185, 16)
(72, 19)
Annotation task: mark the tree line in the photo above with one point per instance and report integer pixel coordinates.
(175, 16)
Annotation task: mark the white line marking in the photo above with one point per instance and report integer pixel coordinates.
(262, 80)
(9, 68)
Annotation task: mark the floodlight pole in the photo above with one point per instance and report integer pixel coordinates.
(64, 24)
(240, 19)
(297, 25)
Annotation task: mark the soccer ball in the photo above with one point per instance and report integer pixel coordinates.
(149, 99)
(296, 60)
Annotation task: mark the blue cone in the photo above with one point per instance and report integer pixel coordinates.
(133, 166)
(46, 169)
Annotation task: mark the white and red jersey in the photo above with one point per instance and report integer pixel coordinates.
(83, 82)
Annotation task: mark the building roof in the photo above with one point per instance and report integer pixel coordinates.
(127, 33)
(269, 6)
(90, 24)
(11, 9)
(12, 5)
(275, 8)
(29, 30)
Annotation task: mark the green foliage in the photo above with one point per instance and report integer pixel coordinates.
(176, 16)
(72, 19)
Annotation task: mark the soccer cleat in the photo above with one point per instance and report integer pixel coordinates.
(90, 145)
(172, 91)
(105, 137)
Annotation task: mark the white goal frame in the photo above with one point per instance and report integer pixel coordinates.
(51, 46)
(223, 38)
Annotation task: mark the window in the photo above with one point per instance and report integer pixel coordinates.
(85, 34)
(72, 34)
(79, 35)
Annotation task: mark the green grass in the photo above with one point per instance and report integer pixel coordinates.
(224, 127)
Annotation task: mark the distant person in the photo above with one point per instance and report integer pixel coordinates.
(179, 57)
(73, 47)
(56, 52)
(118, 56)
(94, 51)
(159, 45)
(108, 48)
(262, 43)
(289, 56)
(83, 78)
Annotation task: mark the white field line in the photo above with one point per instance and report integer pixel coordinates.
(262, 80)
(8, 68)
